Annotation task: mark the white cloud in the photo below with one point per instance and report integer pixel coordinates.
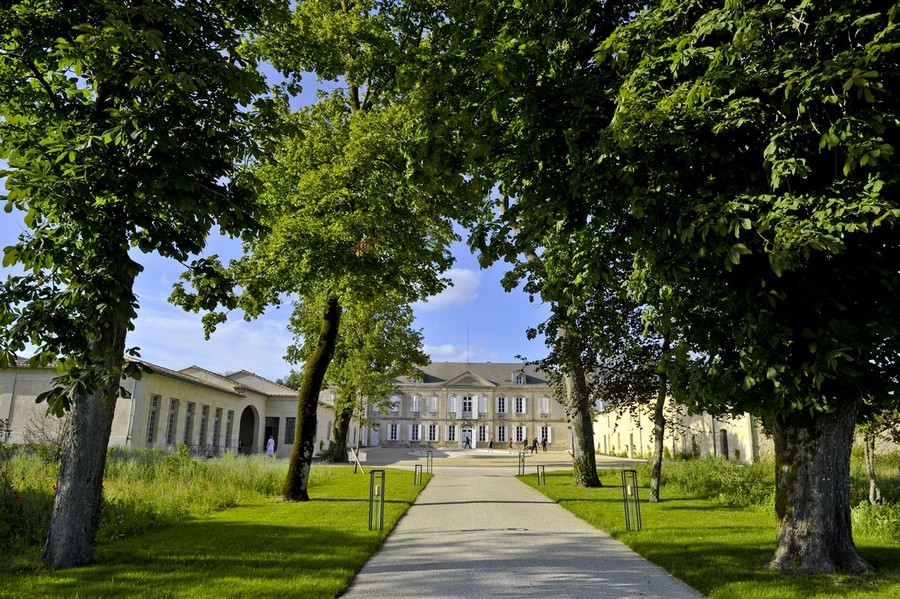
(175, 340)
(463, 289)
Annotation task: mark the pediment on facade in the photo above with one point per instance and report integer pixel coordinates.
(467, 379)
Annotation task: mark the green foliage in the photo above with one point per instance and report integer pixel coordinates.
(727, 483)
(742, 129)
(122, 125)
(143, 491)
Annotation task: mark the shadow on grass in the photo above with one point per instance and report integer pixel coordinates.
(211, 558)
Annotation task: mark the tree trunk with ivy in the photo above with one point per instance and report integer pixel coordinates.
(582, 421)
(297, 483)
(812, 493)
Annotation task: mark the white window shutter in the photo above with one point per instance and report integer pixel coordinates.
(451, 404)
(459, 409)
(482, 404)
(524, 405)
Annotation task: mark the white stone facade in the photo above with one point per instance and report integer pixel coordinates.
(450, 402)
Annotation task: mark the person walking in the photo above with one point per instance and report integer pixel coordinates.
(510, 446)
(270, 447)
(534, 446)
(491, 446)
(544, 444)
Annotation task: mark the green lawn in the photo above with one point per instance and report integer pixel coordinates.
(268, 549)
(722, 552)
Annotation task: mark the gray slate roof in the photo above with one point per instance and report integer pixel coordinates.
(498, 373)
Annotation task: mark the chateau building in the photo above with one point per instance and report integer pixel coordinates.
(210, 413)
(447, 404)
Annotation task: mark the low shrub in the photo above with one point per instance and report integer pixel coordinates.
(142, 490)
(728, 483)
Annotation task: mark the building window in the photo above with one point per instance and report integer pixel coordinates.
(467, 404)
(415, 432)
(188, 422)
(217, 427)
(482, 433)
(432, 404)
(451, 433)
(432, 432)
(501, 405)
(393, 432)
(151, 420)
(519, 405)
(170, 422)
(204, 420)
(546, 434)
(545, 406)
(229, 427)
(395, 403)
(501, 434)
(520, 378)
(290, 424)
(415, 403)
(521, 434)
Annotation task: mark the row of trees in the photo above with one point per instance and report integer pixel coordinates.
(717, 176)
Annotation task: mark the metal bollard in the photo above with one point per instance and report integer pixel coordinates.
(429, 461)
(417, 476)
(542, 478)
(376, 499)
(521, 463)
(631, 500)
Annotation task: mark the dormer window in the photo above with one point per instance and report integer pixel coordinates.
(519, 378)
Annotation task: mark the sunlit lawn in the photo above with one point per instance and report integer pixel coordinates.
(267, 549)
(722, 552)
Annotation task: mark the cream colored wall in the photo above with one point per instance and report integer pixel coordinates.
(618, 432)
(168, 388)
(532, 419)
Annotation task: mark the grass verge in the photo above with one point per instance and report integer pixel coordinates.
(720, 551)
(269, 548)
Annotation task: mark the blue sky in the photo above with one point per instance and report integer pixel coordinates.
(474, 318)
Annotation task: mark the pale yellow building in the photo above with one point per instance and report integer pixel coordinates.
(210, 413)
(449, 403)
(738, 438)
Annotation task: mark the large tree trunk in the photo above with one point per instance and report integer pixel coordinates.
(874, 491)
(337, 450)
(585, 462)
(76, 507)
(812, 493)
(297, 482)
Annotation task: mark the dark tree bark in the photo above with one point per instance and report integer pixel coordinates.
(812, 493)
(297, 483)
(874, 490)
(585, 462)
(337, 449)
(76, 507)
(659, 429)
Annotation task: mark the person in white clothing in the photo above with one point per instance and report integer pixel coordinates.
(270, 447)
